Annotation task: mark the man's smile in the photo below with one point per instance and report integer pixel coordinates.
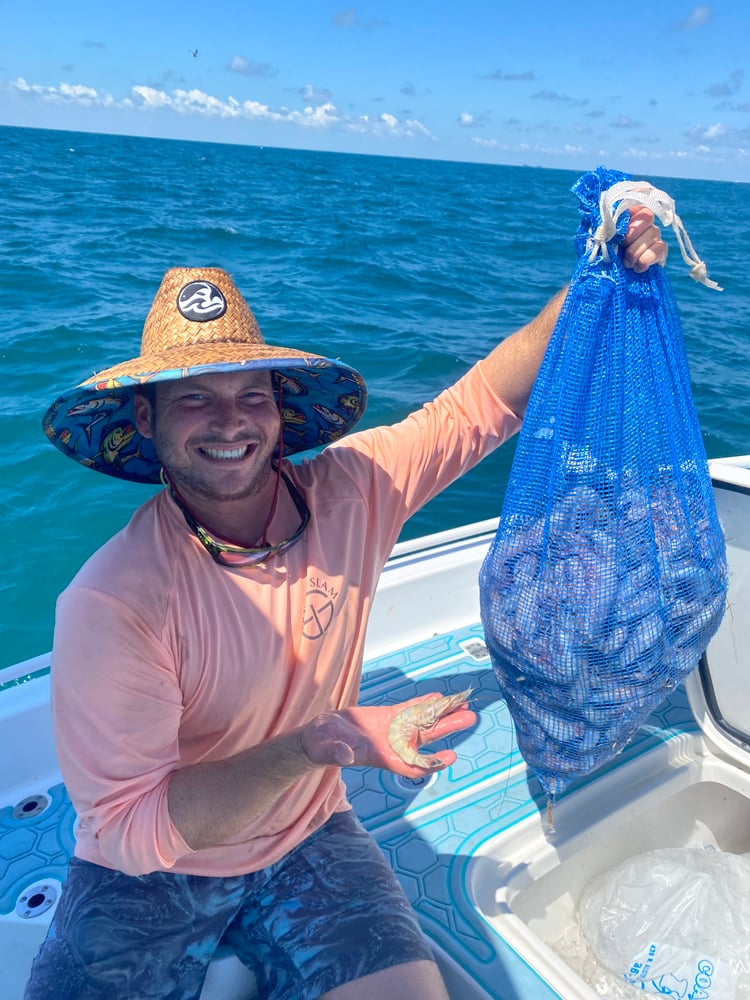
(226, 453)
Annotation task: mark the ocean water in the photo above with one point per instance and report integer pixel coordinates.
(409, 270)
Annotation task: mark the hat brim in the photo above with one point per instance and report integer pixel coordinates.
(94, 423)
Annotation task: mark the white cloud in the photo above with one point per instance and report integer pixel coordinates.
(625, 121)
(152, 98)
(66, 93)
(320, 115)
(717, 131)
(697, 17)
(550, 95)
(413, 126)
(345, 18)
(468, 120)
(238, 64)
(314, 94)
(387, 124)
(317, 117)
(639, 154)
(659, 156)
(84, 95)
(530, 149)
(349, 18)
(503, 77)
(710, 133)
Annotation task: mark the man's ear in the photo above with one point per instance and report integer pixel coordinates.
(144, 415)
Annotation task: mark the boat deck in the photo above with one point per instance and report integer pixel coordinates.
(429, 829)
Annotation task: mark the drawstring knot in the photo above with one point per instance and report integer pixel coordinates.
(629, 194)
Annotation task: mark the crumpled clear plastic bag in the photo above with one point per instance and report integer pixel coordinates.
(674, 922)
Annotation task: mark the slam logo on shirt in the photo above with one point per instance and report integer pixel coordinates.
(319, 609)
(200, 301)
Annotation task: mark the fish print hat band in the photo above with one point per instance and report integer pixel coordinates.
(199, 324)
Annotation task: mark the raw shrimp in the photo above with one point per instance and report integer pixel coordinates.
(594, 610)
(407, 726)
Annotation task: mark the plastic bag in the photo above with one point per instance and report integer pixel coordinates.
(607, 576)
(674, 922)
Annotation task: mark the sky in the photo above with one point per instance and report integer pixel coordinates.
(654, 89)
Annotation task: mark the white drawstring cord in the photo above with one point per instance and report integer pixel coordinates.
(629, 194)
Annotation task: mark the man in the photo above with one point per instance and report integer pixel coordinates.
(202, 711)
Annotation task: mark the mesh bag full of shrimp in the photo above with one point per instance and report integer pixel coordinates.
(607, 576)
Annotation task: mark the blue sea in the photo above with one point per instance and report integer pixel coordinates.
(409, 270)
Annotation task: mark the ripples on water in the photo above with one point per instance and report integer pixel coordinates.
(408, 269)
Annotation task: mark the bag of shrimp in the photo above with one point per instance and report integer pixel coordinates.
(607, 577)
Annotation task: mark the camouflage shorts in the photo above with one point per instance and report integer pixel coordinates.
(328, 913)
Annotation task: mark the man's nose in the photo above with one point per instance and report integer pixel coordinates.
(227, 412)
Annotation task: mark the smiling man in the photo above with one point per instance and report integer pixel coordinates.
(207, 659)
(215, 437)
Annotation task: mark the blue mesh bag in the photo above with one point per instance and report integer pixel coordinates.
(607, 576)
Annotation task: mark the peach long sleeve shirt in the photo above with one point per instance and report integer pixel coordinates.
(163, 658)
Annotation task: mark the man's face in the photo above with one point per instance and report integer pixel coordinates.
(214, 434)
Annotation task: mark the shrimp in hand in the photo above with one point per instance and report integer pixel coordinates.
(387, 736)
(410, 726)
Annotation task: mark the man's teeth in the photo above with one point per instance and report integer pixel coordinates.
(225, 452)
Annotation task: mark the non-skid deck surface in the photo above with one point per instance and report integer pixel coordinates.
(428, 829)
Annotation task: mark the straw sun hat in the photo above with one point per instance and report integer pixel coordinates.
(199, 324)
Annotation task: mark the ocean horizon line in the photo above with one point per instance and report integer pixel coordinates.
(361, 155)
